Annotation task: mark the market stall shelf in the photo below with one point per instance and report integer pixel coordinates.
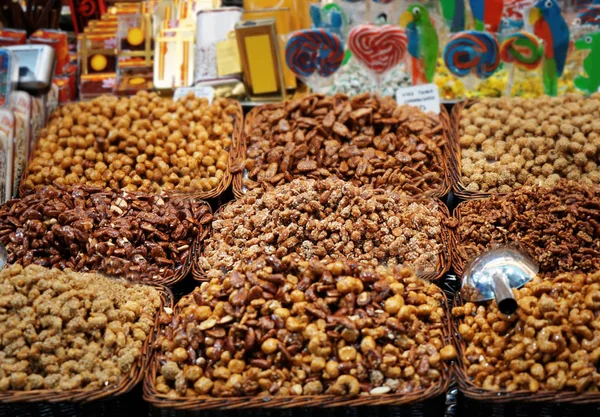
(362, 139)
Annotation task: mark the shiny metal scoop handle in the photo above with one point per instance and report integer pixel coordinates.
(503, 294)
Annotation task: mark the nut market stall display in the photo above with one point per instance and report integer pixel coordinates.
(144, 143)
(362, 139)
(72, 338)
(501, 145)
(293, 333)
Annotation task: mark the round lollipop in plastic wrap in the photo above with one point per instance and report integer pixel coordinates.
(378, 48)
(521, 51)
(314, 55)
(472, 55)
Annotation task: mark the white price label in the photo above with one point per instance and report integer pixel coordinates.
(199, 92)
(425, 97)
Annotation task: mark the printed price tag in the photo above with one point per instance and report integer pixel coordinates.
(199, 92)
(425, 96)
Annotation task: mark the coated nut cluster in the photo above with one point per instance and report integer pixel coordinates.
(366, 140)
(136, 235)
(559, 226)
(295, 327)
(144, 143)
(552, 342)
(66, 331)
(511, 142)
(327, 217)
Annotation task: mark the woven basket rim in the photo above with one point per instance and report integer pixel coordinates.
(288, 402)
(238, 178)
(126, 383)
(471, 391)
(444, 256)
(236, 135)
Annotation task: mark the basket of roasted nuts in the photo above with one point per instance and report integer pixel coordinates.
(69, 337)
(498, 145)
(319, 218)
(548, 351)
(285, 332)
(362, 139)
(134, 235)
(142, 143)
(559, 226)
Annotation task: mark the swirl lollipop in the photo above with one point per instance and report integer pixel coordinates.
(314, 50)
(378, 48)
(523, 50)
(472, 52)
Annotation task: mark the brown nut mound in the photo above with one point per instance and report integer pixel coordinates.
(134, 235)
(363, 139)
(559, 226)
(327, 218)
(507, 143)
(140, 143)
(66, 331)
(551, 343)
(295, 327)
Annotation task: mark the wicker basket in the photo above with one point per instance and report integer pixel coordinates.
(444, 258)
(60, 403)
(185, 269)
(291, 402)
(236, 135)
(455, 158)
(503, 399)
(238, 178)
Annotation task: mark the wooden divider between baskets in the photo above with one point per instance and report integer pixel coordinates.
(472, 391)
(203, 403)
(238, 178)
(137, 372)
(236, 135)
(444, 257)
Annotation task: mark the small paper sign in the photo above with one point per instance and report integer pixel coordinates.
(425, 97)
(199, 92)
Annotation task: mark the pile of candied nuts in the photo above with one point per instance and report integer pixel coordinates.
(136, 235)
(66, 330)
(141, 143)
(363, 139)
(327, 217)
(294, 327)
(508, 143)
(559, 226)
(552, 342)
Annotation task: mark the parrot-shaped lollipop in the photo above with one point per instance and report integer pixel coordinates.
(454, 14)
(487, 14)
(422, 43)
(550, 26)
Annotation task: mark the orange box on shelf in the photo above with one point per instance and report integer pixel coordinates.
(10, 37)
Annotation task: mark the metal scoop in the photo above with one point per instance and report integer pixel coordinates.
(493, 274)
(3, 256)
